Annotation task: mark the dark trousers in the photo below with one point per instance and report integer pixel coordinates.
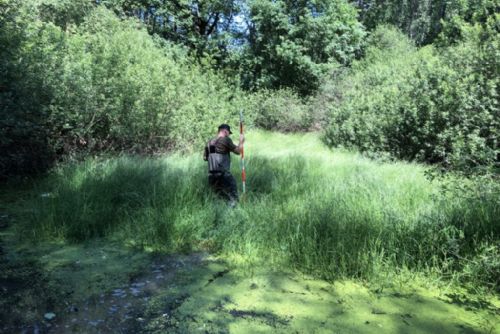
(224, 185)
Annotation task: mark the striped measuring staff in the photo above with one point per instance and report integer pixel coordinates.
(242, 154)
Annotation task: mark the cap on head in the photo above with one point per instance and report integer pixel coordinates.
(225, 127)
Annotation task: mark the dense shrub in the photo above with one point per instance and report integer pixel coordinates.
(280, 110)
(104, 84)
(421, 104)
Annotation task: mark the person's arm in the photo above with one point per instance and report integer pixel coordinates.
(228, 143)
(239, 148)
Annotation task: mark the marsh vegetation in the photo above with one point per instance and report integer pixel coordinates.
(372, 159)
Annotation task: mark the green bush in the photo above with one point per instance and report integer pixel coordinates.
(281, 110)
(104, 84)
(422, 104)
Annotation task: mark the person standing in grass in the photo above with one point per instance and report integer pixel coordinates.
(217, 154)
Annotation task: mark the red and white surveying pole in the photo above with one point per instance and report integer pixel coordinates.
(242, 154)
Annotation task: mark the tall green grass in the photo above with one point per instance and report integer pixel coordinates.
(330, 213)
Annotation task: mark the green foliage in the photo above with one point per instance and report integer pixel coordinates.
(280, 110)
(24, 89)
(482, 266)
(424, 20)
(331, 214)
(438, 107)
(420, 20)
(102, 85)
(139, 195)
(269, 44)
(292, 44)
(64, 13)
(461, 15)
(203, 26)
(76, 78)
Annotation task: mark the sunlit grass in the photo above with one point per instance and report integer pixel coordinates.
(330, 213)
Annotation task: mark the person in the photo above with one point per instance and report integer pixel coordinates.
(217, 154)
